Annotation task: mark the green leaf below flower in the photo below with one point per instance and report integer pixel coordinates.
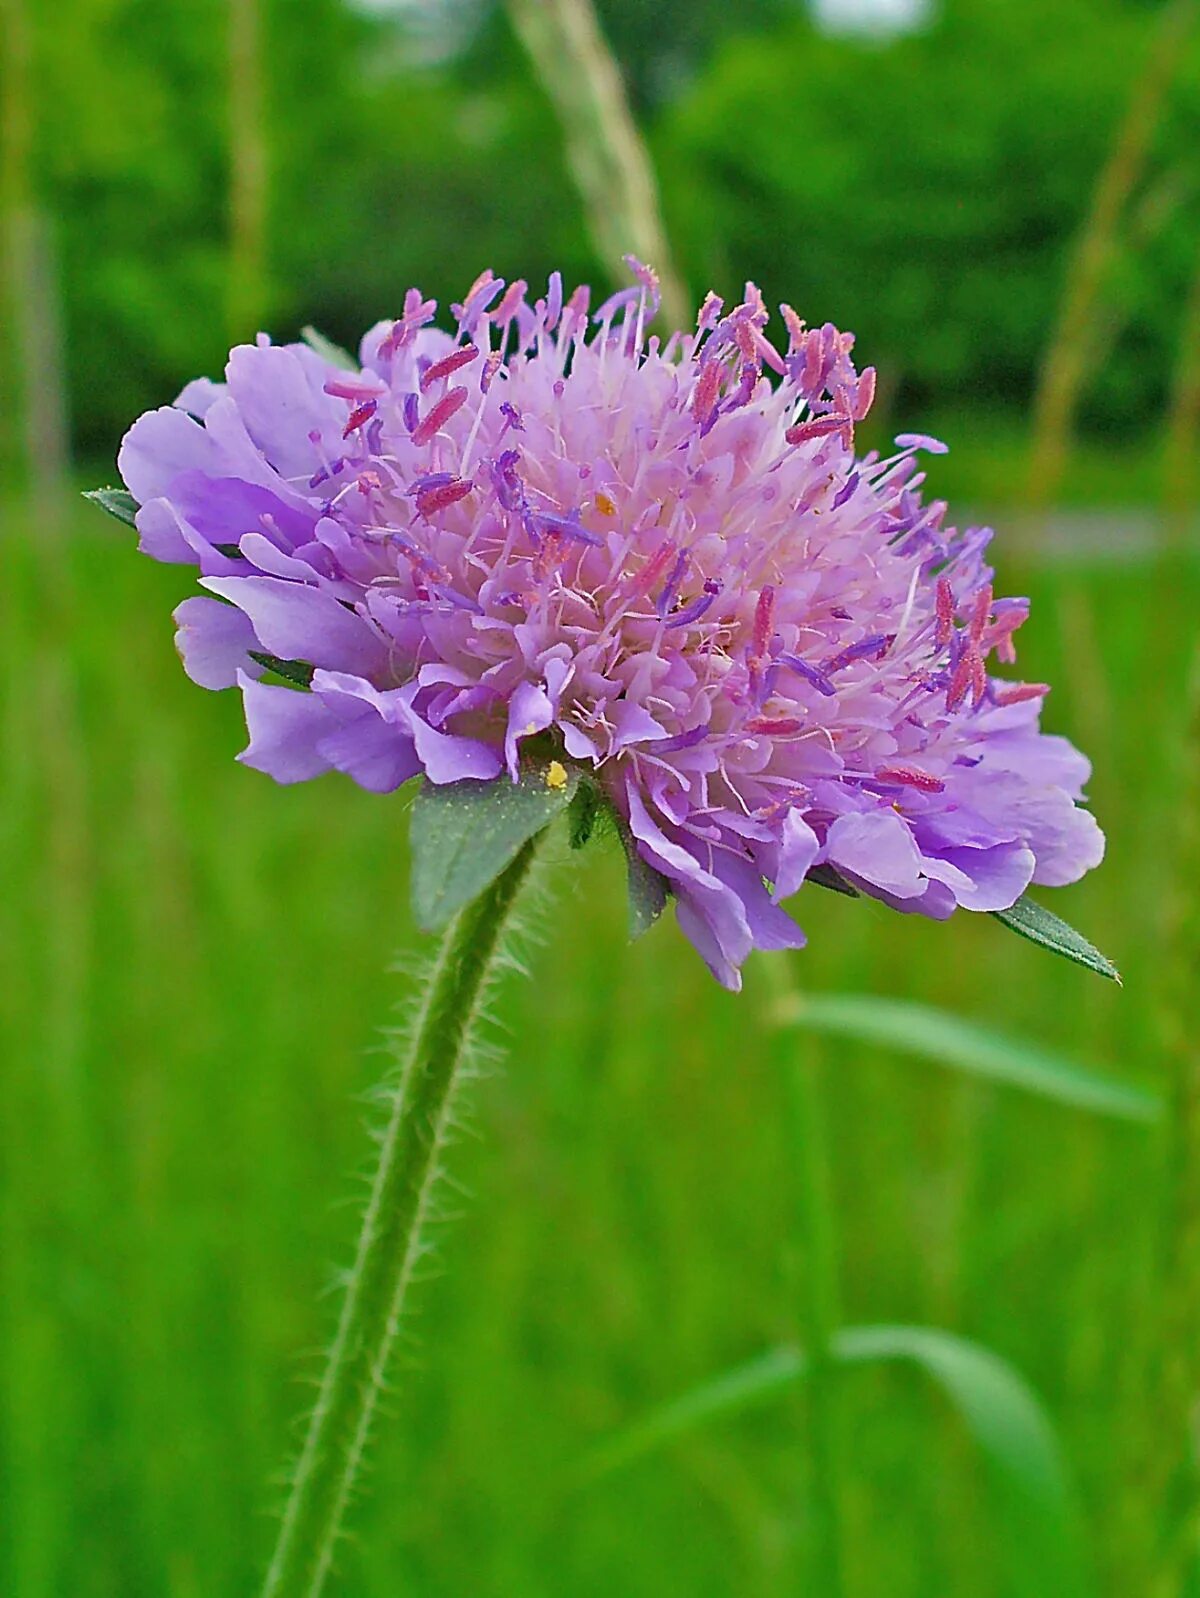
(117, 502)
(585, 812)
(463, 834)
(648, 891)
(1052, 932)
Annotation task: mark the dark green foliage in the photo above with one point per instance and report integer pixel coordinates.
(924, 194)
(921, 193)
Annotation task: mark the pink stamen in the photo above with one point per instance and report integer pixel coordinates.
(360, 416)
(448, 365)
(978, 676)
(981, 609)
(911, 777)
(641, 582)
(436, 418)
(708, 386)
(764, 616)
(966, 676)
(709, 314)
(357, 389)
(513, 296)
(814, 361)
(433, 500)
(1017, 693)
(865, 396)
(779, 725)
(794, 325)
(821, 427)
(945, 612)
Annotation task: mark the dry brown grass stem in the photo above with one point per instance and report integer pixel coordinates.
(248, 172)
(1180, 479)
(32, 390)
(1065, 367)
(605, 152)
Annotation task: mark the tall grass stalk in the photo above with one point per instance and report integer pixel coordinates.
(1180, 478)
(1065, 367)
(34, 442)
(818, 1309)
(605, 152)
(392, 1240)
(1175, 1461)
(246, 277)
(819, 1318)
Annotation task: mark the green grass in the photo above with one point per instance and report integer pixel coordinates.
(193, 978)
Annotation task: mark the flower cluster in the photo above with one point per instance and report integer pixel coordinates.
(662, 560)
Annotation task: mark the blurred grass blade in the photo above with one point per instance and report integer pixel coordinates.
(975, 1050)
(328, 350)
(1008, 1422)
(1002, 1413)
(742, 1387)
(1051, 932)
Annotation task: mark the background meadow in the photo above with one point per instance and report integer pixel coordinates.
(196, 966)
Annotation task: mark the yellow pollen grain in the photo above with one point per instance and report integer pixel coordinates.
(605, 505)
(556, 776)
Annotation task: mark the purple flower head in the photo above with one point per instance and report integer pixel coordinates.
(662, 561)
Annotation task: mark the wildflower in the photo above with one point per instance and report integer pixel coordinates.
(660, 562)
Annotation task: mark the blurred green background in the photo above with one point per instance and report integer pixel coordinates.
(1002, 198)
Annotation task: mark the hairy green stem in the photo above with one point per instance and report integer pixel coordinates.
(391, 1241)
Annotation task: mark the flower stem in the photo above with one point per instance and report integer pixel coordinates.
(391, 1241)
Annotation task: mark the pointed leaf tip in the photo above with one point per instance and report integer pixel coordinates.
(117, 502)
(827, 876)
(1043, 927)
